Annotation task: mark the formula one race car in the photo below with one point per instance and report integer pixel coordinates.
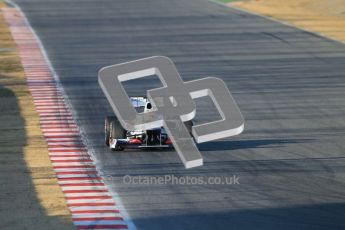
(117, 138)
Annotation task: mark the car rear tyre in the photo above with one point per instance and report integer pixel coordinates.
(117, 132)
(107, 122)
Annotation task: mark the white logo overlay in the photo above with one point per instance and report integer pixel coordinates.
(173, 105)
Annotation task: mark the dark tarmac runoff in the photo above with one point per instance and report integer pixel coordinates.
(288, 83)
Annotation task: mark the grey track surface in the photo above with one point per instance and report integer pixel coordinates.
(289, 84)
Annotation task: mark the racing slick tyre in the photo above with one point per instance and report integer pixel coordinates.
(117, 132)
(107, 129)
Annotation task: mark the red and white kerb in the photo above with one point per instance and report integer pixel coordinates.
(87, 197)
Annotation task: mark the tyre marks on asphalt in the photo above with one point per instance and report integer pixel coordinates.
(90, 203)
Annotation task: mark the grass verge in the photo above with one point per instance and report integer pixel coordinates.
(324, 17)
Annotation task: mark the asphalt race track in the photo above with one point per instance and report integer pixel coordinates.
(289, 85)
